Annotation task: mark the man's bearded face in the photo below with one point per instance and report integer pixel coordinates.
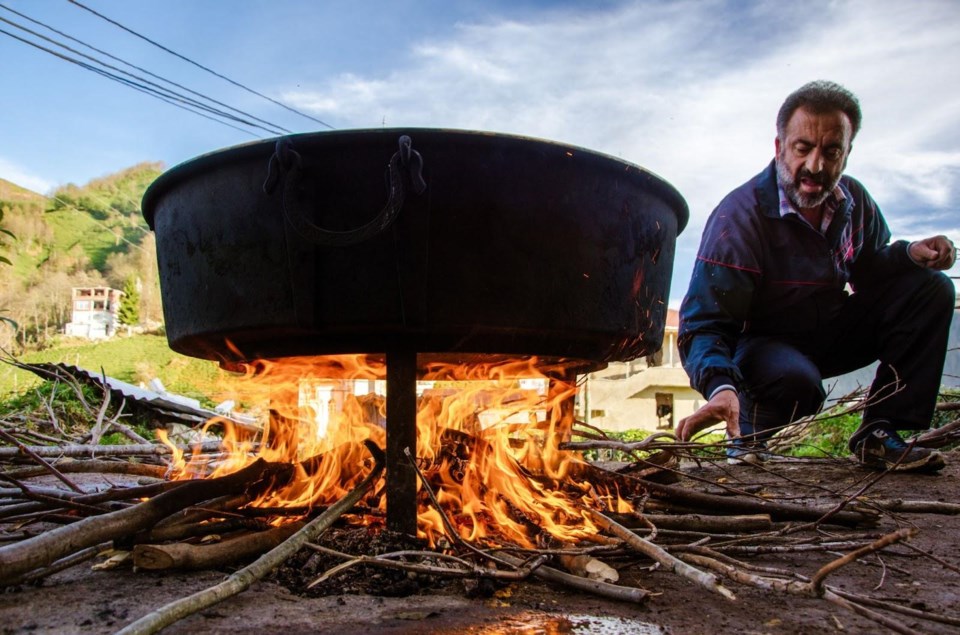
(791, 184)
(812, 155)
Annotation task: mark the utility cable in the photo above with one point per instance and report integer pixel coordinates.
(198, 65)
(106, 227)
(124, 81)
(134, 66)
(146, 84)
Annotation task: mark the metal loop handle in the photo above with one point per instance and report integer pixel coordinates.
(286, 165)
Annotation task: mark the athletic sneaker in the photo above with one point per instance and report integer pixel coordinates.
(740, 453)
(884, 449)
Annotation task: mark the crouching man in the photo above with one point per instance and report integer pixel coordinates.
(768, 314)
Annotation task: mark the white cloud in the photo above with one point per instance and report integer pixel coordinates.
(17, 175)
(689, 90)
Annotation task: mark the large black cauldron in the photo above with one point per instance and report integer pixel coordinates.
(415, 239)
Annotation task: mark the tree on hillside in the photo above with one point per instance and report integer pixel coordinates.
(151, 309)
(6, 261)
(129, 312)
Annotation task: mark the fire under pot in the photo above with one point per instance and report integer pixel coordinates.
(417, 245)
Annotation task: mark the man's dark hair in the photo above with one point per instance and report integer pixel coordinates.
(820, 97)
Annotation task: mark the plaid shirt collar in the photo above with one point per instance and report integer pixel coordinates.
(830, 206)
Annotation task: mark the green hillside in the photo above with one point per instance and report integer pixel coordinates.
(90, 235)
(13, 193)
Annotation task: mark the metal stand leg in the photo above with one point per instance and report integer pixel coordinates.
(401, 433)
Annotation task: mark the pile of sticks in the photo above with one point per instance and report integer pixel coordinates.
(701, 533)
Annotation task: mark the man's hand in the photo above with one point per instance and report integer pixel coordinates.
(933, 253)
(724, 406)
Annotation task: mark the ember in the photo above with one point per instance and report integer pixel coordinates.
(488, 437)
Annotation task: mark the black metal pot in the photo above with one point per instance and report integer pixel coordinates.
(365, 241)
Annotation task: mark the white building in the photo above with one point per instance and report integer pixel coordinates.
(94, 313)
(649, 394)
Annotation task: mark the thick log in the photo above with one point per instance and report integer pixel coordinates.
(43, 549)
(915, 507)
(189, 556)
(705, 524)
(93, 451)
(778, 511)
(939, 437)
(192, 515)
(69, 499)
(88, 466)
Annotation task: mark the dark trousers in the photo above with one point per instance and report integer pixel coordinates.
(904, 324)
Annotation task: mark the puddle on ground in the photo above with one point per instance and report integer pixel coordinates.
(540, 624)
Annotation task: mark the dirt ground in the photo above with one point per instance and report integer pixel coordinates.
(80, 600)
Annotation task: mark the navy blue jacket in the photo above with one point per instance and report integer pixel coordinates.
(760, 273)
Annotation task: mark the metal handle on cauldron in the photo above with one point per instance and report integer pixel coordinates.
(286, 165)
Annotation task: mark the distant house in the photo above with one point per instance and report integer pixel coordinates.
(94, 312)
(652, 393)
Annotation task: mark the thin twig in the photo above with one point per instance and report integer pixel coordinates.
(36, 457)
(64, 563)
(896, 608)
(927, 554)
(894, 625)
(452, 532)
(816, 582)
(464, 570)
(597, 587)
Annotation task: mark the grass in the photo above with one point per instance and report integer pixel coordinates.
(72, 227)
(135, 360)
(828, 436)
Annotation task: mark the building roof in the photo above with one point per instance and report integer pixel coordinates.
(673, 318)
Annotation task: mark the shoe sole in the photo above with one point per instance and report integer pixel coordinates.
(931, 463)
(750, 458)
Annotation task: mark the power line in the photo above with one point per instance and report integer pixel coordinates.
(198, 65)
(151, 87)
(106, 227)
(277, 128)
(126, 82)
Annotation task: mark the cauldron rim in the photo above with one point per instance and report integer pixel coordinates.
(265, 147)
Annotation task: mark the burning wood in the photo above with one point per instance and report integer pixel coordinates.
(499, 497)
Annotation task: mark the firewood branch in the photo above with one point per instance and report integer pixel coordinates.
(43, 549)
(242, 580)
(656, 553)
(816, 582)
(190, 556)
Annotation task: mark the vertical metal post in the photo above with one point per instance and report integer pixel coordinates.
(567, 408)
(401, 434)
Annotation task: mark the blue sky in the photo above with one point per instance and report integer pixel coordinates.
(688, 90)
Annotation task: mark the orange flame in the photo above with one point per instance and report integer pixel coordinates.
(488, 438)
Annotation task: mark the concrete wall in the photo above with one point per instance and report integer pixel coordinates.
(617, 401)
